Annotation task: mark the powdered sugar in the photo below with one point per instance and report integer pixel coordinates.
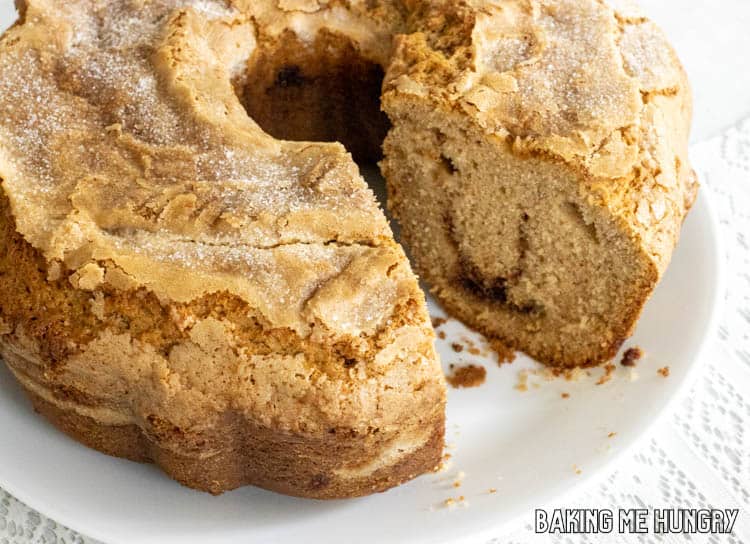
(575, 75)
(564, 84)
(212, 9)
(108, 138)
(648, 57)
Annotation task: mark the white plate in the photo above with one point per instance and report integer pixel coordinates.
(531, 446)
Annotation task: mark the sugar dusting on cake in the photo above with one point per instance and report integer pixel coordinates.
(106, 106)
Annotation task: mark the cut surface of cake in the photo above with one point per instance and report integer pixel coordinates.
(538, 167)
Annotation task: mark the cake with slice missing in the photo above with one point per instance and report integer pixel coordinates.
(182, 283)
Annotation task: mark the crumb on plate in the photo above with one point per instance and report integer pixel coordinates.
(609, 369)
(467, 376)
(631, 356)
(523, 380)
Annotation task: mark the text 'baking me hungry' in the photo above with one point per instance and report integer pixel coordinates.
(635, 521)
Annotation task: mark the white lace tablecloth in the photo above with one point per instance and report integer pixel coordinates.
(697, 457)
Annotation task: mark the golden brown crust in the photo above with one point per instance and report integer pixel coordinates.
(585, 83)
(114, 361)
(170, 266)
(265, 457)
(137, 151)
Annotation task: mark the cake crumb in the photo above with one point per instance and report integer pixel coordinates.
(611, 435)
(491, 490)
(609, 369)
(458, 348)
(523, 379)
(663, 371)
(472, 348)
(467, 376)
(97, 305)
(631, 356)
(445, 463)
(451, 502)
(548, 374)
(505, 355)
(441, 335)
(576, 469)
(565, 395)
(573, 374)
(438, 321)
(459, 479)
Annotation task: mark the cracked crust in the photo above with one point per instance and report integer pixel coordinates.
(233, 303)
(209, 390)
(538, 167)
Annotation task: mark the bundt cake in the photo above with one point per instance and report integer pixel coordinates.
(192, 276)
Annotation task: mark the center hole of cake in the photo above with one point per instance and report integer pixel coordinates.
(324, 90)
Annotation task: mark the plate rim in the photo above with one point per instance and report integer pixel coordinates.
(718, 301)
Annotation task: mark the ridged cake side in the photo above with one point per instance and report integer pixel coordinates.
(178, 286)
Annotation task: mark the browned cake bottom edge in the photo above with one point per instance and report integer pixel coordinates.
(230, 470)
